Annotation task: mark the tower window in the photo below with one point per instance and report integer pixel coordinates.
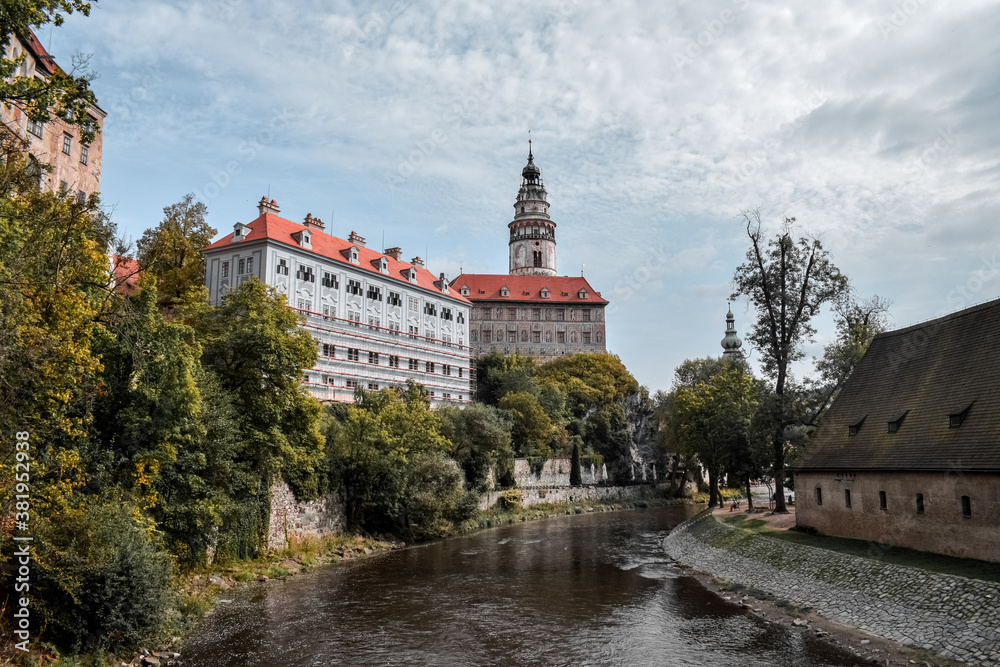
(920, 503)
(882, 500)
(966, 507)
(847, 497)
(819, 496)
(537, 255)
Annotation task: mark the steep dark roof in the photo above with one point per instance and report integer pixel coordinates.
(924, 373)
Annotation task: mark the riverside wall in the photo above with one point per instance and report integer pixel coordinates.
(954, 616)
(291, 520)
(567, 494)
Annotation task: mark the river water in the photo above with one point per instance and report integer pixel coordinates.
(592, 589)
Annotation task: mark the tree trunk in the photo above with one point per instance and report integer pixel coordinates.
(779, 471)
(714, 498)
(749, 495)
(673, 476)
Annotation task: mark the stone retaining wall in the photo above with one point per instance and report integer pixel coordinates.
(291, 520)
(563, 494)
(953, 616)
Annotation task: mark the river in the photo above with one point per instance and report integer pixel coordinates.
(591, 589)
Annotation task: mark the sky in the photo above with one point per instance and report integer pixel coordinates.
(874, 124)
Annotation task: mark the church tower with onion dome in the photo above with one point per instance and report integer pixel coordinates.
(532, 232)
(731, 344)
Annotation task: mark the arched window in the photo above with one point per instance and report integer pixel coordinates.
(537, 254)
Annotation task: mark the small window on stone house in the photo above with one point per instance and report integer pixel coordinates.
(920, 503)
(882, 500)
(966, 507)
(847, 497)
(819, 495)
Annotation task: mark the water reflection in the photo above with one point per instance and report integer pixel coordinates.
(581, 590)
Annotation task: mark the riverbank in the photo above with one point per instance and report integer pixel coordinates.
(197, 593)
(883, 612)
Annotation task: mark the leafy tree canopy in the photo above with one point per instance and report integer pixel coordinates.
(172, 252)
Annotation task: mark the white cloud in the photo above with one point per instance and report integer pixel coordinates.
(654, 125)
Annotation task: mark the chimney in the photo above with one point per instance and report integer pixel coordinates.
(416, 261)
(354, 238)
(264, 206)
(442, 283)
(395, 253)
(313, 223)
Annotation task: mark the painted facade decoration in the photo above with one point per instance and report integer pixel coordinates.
(377, 320)
(531, 310)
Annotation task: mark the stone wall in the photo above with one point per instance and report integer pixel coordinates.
(291, 520)
(555, 472)
(941, 527)
(953, 616)
(562, 494)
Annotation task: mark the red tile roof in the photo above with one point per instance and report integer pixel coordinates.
(272, 227)
(43, 60)
(126, 275)
(562, 289)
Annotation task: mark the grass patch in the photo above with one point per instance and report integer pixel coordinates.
(962, 567)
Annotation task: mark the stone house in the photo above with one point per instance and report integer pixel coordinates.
(76, 167)
(909, 452)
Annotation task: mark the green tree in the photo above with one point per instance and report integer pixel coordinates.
(64, 95)
(498, 375)
(858, 322)
(575, 477)
(172, 252)
(787, 281)
(530, 426)
(481, 441)
(254, 346)
(375, 451)
(716, 420)
(589, 380)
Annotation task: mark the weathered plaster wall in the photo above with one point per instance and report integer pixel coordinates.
(940, 528)
(292, 520)
(954, 616)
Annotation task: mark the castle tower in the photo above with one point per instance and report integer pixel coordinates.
(532, 233)
(731, 344)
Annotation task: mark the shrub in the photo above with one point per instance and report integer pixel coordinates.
(101, 581)
(510, 499)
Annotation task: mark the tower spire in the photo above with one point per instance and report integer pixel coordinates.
(532, 233)
(731, 344)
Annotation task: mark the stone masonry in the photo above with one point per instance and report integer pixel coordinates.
(566, 494)
(953, 616)
(291, 520)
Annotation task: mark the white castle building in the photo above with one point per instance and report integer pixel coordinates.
(377, 320)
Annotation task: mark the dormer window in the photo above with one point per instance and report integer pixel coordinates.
(583, 294)
(351, 254)
(896, 423)
(240, 232)
(955, 420)
(303, 238)
(464, 290)
(855, 427)
(544, 293)
(381, 264)
(504, 291)
(410, 274)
